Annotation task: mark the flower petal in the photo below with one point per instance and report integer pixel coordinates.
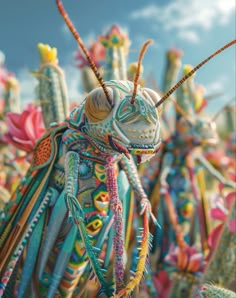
(195, 262)
(15, 129)
(230, 199)
(214, 236)
(217, 213)
(183, 259)
(232, 225)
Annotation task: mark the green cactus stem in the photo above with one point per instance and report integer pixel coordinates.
(52, 90)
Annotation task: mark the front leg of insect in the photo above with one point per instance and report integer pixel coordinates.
(130, 169)
(118, 241)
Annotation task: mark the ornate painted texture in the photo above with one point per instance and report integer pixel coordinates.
(92, 154)
(81, 211)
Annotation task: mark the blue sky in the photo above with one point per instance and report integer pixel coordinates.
(198, 27)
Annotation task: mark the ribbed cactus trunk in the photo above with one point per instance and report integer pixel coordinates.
(230, 122)
(182, 285)
(11, 96)
(116, 44)
(173, 64)
(52, 90)
(186, 96)
(115, 64)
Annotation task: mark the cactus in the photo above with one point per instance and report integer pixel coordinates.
(11, 95)
(117, 44)
(182, 285)
(173, 64)
(52, 91)
(213, 291)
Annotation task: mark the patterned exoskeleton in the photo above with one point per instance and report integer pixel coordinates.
(92, 149)
(73, 180)
(67, 213)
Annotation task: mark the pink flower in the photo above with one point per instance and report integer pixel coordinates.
(96, 52)
(220, 212)
(115, 37)
(186, 259)
(174, 54)
(25, 129)
(221, 209)
(162, 283)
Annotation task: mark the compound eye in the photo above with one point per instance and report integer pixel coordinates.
(155, 97)
(97, 108)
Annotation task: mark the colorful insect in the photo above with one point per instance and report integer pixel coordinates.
(175, 183)
(68, 212)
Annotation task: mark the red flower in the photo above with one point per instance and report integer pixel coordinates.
(186, 259)
(162, 283)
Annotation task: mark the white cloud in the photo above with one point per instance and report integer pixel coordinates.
(187, 16)
(146, 12)
(217, 86)
(189, 35)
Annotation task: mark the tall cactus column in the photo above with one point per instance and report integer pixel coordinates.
(173, 64)
(11, 95)
(52, 91)
(117, 44)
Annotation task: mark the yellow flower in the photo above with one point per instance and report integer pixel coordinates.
(47, 54)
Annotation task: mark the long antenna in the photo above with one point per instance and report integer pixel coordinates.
(192, 72)
(177, 106)
(140, 58)
(82, 46)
